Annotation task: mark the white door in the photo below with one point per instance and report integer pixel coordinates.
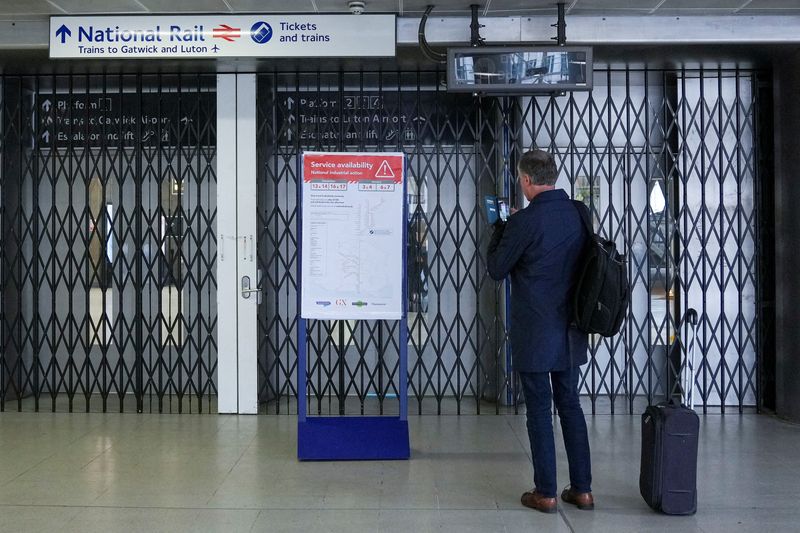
(237, 272)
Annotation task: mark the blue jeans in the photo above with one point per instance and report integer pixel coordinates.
(538, 399)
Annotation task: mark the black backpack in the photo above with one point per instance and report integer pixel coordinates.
(602, 291)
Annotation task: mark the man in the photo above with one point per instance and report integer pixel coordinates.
(540, 246)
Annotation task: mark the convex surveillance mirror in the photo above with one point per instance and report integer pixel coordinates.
(504, 70)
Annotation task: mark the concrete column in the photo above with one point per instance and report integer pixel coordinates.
(787, 235)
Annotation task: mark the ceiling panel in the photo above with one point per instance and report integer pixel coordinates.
(494, 7)
(771, 7)
(726, 5)
(444, 7)
(98, 7)
(631, 5)
(271, 6)
(27, 7)
(12, 8)
(372, 6)
(773, 4)
(584, 11)
(196, 6)
(795, 11)
(504, 6)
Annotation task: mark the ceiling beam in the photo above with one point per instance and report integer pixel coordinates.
(652, 29)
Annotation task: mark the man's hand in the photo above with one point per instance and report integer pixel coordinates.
(499, 227)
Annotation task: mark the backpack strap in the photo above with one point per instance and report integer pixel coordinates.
(582, 313)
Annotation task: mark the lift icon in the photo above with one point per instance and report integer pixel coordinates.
(385, 171)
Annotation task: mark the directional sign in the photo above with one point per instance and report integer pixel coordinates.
(368, 116)
(210, 36)
(123, 120)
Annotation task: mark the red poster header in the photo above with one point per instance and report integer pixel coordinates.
(353, 168)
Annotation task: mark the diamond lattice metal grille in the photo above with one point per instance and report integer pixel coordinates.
(108, 265)
(665, 160)
(108, 273)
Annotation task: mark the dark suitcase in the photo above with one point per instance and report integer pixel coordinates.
(668, 476)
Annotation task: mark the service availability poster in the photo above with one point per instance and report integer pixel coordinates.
(352, 241)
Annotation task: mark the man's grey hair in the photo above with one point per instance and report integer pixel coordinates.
(540, 166)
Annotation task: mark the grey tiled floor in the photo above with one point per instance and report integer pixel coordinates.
(112, 472)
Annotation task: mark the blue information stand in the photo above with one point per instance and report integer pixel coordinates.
(352, 438)
(343, 438)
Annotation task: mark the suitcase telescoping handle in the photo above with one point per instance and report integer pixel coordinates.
(688, 377)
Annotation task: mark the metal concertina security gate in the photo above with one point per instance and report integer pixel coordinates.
(109, 248)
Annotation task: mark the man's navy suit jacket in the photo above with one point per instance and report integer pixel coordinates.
(540, 247)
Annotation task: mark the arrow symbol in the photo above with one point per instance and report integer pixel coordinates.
(63, 32)
(46, 137)
(289, 102)
(186, 120)
(46, 106)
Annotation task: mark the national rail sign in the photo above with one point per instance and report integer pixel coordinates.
(213, 36)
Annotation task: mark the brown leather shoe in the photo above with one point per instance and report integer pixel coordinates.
(534, 500)
(583, 500)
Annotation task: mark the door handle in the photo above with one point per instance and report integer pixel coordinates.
(246, 290)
